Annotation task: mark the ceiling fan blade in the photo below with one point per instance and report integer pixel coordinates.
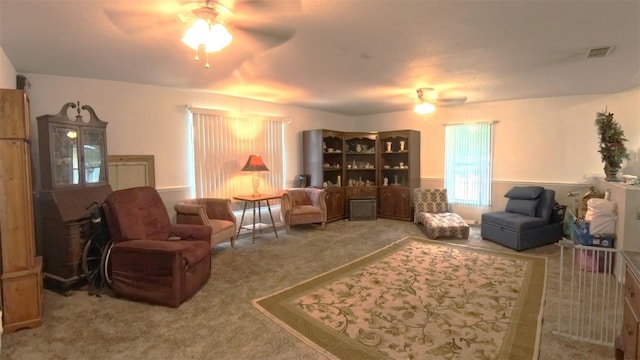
(266, 7)
(140, 19)
(269, 34)
(450, 101)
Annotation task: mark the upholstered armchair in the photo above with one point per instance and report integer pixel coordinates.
(431, 208)
(151, 259)
(215, 213)
(304, 206)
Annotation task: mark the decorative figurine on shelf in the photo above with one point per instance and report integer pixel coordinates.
(358, 148)
(401, 145)
(388, 146)
(385, 182)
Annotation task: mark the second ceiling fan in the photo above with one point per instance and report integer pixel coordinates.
(428, 98)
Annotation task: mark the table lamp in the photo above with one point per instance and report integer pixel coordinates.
(255, 164)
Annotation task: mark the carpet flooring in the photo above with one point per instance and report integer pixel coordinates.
(220, 322)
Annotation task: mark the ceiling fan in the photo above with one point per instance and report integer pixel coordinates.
(207, 25)
(428, 98)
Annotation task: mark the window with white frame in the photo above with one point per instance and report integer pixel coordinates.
(222, 143)
(468, 164)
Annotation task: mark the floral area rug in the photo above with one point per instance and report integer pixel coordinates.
(419, 299)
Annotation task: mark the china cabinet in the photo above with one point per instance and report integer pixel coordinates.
(360, 159)
(360, 167)
(364, 165)
(21, 270)
(399, 169)
(323, 156)
(73, 170)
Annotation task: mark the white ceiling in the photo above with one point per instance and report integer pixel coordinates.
(343, 56)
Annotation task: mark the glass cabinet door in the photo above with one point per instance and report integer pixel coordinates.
(94, 155)
(64, 149)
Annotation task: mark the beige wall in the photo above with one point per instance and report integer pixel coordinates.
(151, 120)
(549, 141)
(7, 72)
(535, 140)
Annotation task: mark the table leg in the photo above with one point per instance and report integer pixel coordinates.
(241, 219)
(273, 224)
(253, 231)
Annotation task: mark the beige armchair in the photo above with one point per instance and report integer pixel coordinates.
(304, 206)
(216, 213)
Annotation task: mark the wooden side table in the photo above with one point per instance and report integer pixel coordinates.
(256, 199)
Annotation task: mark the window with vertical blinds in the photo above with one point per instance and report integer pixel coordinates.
(222, 143)
(468, 163)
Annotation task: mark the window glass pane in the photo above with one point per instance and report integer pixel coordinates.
(468, 163)
(64, 147)
(94, 166)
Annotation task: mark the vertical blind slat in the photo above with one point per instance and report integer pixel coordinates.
(220, 151)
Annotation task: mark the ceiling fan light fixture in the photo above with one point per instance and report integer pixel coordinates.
(196, 34)
(424, 108)
(212, 37)
(217, 39)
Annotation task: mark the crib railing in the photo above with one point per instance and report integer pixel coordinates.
(589, 294)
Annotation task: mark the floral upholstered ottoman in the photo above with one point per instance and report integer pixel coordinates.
(432, 210)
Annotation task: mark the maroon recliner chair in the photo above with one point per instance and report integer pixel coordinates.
(151, 259)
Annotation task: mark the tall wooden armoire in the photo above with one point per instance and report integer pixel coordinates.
(21, 270)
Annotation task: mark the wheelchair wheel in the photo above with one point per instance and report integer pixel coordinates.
(91, 261)
(105, 264)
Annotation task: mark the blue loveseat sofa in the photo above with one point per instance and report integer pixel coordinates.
(526, 222)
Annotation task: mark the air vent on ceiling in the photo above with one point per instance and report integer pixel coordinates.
(599, 52)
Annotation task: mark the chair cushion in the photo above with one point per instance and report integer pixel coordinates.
(220, 225)
(513, 221)
(524, 192)
(430, 200)
(306, 209)
(522, 206)
(300, 197)
(444, 225)
(545, 207)
(139, 213)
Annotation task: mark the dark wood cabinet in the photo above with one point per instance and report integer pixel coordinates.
(399, 171)
(335, 204)
(21, 269)
(323, 156)
(73, 170)
(357, 165)
(395, 203)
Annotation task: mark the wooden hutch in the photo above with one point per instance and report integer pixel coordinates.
(73, 170)
(358, 165)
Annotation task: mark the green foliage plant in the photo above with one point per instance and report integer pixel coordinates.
(612, 147)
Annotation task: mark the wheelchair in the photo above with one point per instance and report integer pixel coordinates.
(97, 251)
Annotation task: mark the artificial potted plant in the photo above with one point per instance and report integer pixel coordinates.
(612, 149)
